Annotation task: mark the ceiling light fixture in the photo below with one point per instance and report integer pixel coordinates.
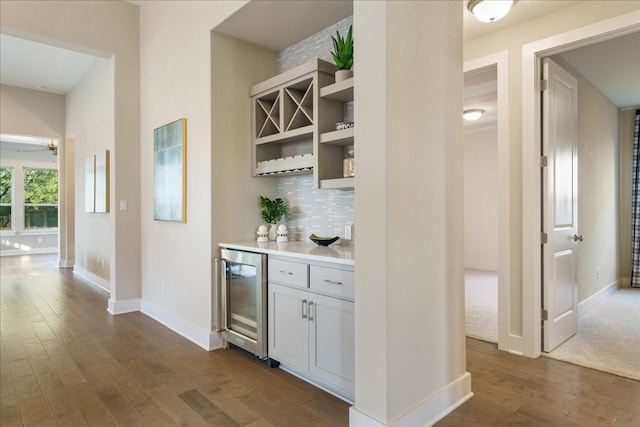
(489, 10)
(472, 114)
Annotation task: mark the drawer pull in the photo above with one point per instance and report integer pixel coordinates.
(332, 282)
(286, 272)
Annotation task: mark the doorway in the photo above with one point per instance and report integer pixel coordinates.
(29, 195)
(496, 66)
(532, 56)
(481, 203)
(605, 332)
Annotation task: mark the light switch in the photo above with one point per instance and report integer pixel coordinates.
(124, 205)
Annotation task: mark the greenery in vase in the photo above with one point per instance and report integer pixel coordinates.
(272, 210)
(343, 50)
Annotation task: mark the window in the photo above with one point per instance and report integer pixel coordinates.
(6, 193)
(40, 198)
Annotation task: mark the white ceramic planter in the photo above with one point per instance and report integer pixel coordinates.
(343, 75)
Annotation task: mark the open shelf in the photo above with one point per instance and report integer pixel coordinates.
(338, 137)
(337, 184)
(288, 136)
(341, 91)
(294, 115)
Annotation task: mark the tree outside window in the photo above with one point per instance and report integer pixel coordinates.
(6, 192)
(40, 198)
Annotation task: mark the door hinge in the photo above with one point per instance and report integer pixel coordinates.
(544, 85)
(544, 314)
(544, 161)
(544, 238)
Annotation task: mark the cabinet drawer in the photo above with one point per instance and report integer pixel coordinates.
(332, 281)
(288, 272)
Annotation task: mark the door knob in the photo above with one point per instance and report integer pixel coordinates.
(577, 237)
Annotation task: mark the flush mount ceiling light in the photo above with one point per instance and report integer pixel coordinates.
(473, 114)
(489, 10)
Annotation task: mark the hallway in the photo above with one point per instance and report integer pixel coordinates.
(64, 359)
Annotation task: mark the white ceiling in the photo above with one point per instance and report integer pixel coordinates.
(38, 66)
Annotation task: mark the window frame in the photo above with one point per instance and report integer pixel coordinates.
(11, 231)
(39, 230)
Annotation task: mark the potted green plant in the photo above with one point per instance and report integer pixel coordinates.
(271, 212)
(343, 54)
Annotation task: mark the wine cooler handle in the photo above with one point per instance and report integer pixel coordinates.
(222, 302)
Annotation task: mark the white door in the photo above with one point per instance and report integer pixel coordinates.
(559, 205)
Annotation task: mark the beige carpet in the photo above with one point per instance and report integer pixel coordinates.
(481, 304)
(608, 337)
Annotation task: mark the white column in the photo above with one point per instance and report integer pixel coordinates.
(410, 348)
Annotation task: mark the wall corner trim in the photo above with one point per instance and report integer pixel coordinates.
(65, 263)
(123, 306)
(427, 413)
(208, 340)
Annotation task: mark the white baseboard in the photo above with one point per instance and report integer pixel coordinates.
(594, 299)
(65, 263)
(34, 251)
(209, 340)
(481, 265)
(123, 306)
(430, 411)
(92, 278)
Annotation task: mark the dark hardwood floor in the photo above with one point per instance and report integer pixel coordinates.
(65, 361)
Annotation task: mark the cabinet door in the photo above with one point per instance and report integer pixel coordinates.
(331, 346)
(288, 326)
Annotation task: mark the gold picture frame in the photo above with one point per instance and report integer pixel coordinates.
(170, 172)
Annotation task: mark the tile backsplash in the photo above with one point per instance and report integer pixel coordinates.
(322, 212)
(319, 45)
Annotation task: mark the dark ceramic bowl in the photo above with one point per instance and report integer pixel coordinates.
(323, 241)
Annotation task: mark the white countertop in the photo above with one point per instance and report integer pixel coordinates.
(306, 250)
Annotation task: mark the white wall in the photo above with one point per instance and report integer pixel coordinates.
(90, 112)
(175, 69)
(31, 112)
(513, 39)
(409, 291)
(481, 199)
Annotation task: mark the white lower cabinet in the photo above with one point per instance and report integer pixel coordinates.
(312, 335)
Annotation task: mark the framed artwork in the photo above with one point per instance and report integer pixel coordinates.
(170, 179)
(90, 184)
(96, 183)
(102, 182)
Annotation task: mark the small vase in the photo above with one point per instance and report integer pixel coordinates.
(273, 232)
(343, 75)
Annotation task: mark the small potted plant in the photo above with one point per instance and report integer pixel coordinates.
(271, 212)
(343, 54)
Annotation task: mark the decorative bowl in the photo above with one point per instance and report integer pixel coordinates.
(323, 241)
